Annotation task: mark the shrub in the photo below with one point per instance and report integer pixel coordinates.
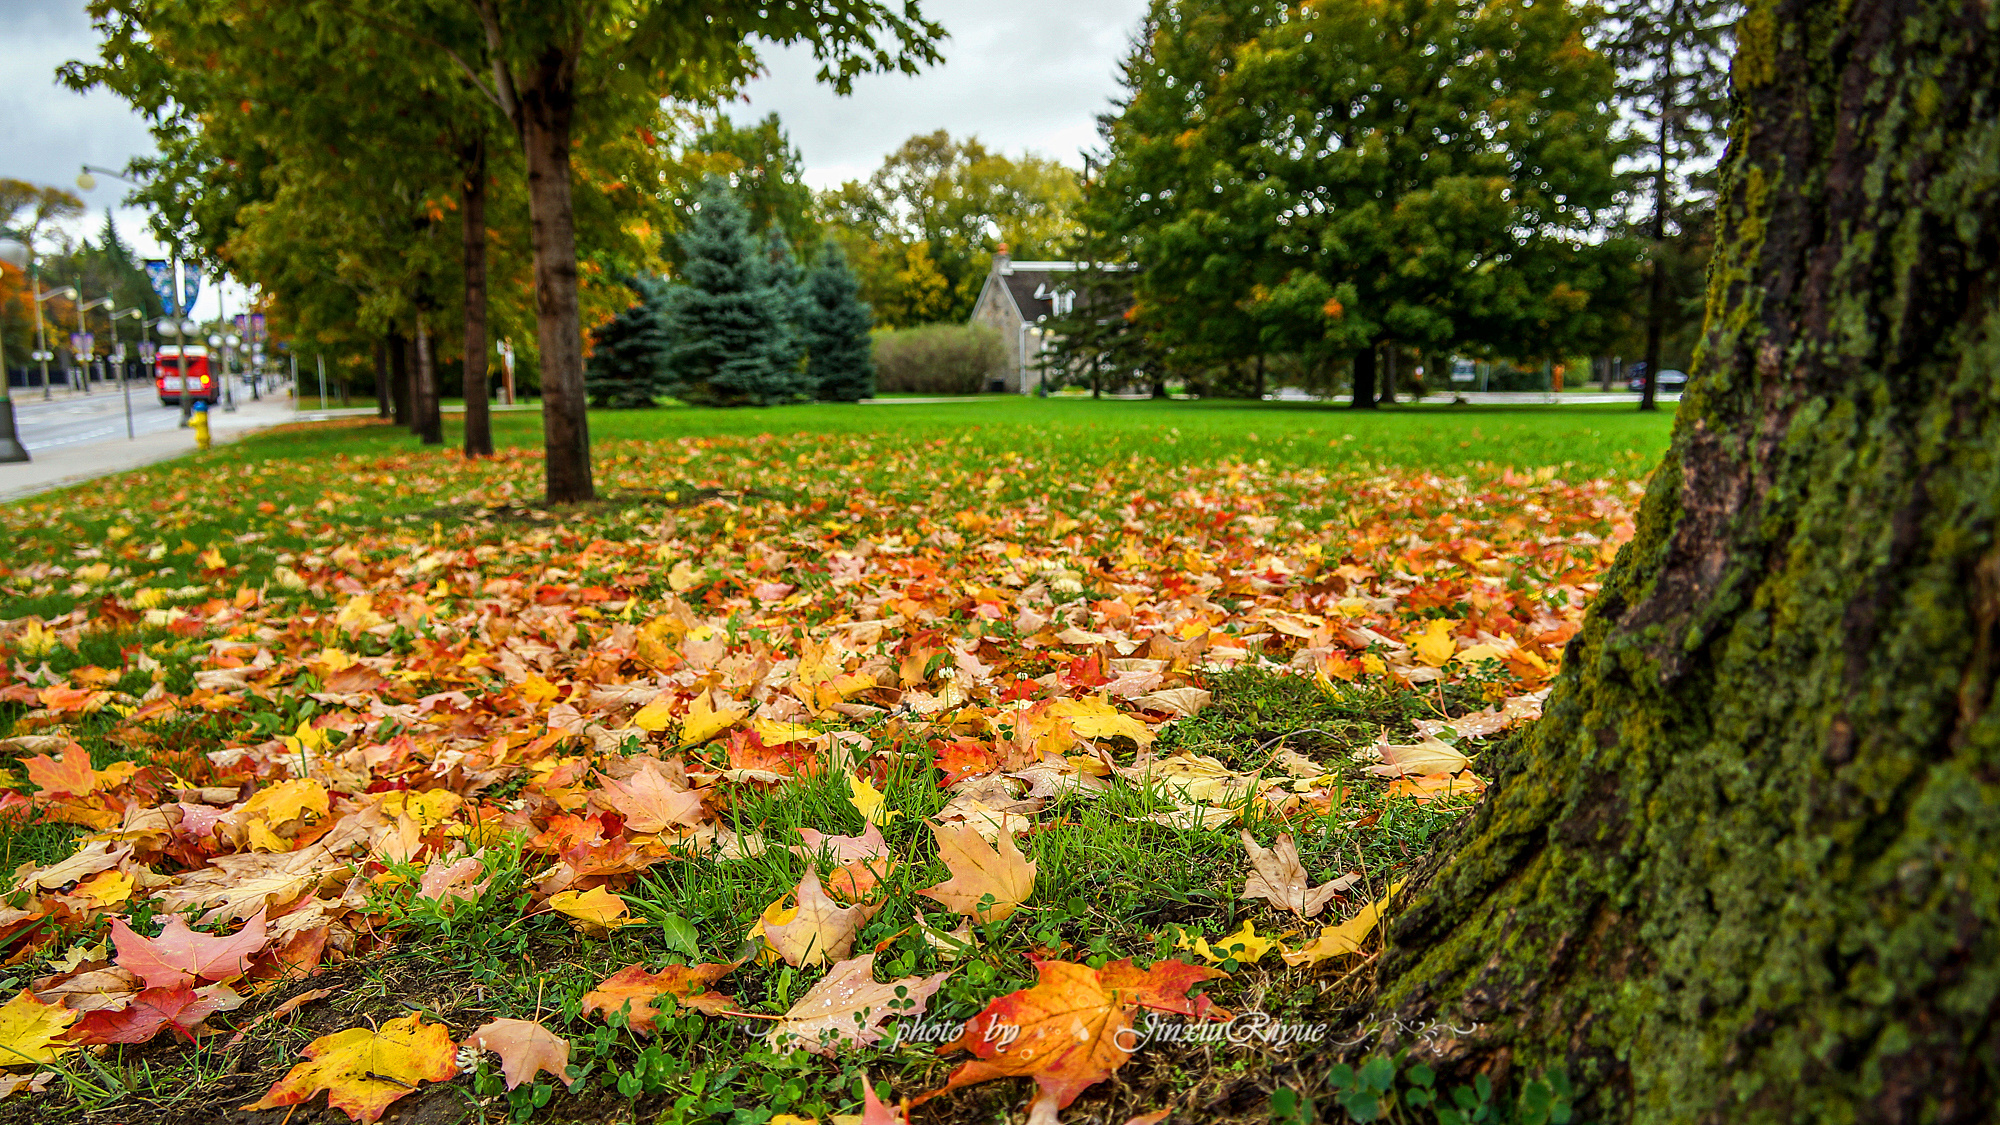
(938, 359)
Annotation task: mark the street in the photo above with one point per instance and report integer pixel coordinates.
(71, 418)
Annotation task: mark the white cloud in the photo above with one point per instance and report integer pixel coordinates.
(1031, 75)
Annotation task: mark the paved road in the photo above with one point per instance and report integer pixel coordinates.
(73, 419)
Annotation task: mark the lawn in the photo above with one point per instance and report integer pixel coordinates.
(431, 756)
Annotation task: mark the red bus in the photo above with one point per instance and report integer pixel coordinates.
(199, 385)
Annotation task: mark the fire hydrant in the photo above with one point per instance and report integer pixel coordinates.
(201, 436)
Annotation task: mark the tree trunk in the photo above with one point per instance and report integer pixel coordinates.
(382, 377)
(1259, 394)
(429, 422)
(478, 419)
(1364, 380)
(1389, 375)
(547, 103)
(1656, 304)
(1747, 867)
(399, 377)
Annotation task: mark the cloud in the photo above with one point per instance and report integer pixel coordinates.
(1030, 75)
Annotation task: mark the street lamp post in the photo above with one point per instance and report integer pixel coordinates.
(14, 254)
(41, 331)
(124, 380)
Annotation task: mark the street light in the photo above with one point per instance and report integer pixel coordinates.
(125, 384)
(41, 335)
(14, 254)
(83, 328)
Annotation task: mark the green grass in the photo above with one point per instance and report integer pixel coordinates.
(1112, 883)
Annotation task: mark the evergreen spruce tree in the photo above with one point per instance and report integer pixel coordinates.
(731, 343)
(628, 356)
(840, 361)
(788, 291)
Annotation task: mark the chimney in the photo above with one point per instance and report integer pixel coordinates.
(1002, 264)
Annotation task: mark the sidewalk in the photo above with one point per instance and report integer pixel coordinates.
(71, 464)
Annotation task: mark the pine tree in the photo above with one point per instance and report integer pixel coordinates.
(731, 344)
(628, 356)
(788, 291)
(840, 362)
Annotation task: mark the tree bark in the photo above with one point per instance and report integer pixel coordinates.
(1259, 393)
(428, 422)
(547, 103)
(1747, 867)
(478, 419)
(399, 377)
(1656, 303)
(382, 379)
(1364, 380)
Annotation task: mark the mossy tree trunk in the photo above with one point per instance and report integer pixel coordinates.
(1747, 867)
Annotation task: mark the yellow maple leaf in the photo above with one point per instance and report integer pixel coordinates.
(656, 716)
(287, 801)
(1434, 645)
(704, 721)
(29, 1030)
(1346, 937)
(1244, 945)
(1097, 718)
(682, 577)
(594, 907)
(538, 691)
(362, 1069)
(868, 800)
(357, 615)
(106, 888)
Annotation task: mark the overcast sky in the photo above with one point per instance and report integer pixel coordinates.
(1030, 75)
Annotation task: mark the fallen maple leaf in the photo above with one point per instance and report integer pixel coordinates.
(526, 1049)
(362, 1070)
(30, 1031)
(848, 1006)
(181, 1008)
(67, 774)
(1244, 945)
(817, 930)
(181, 956)
(1346, 937)
(987, 881)
(595, 907)
(656, 716)
(1070, 1031)
(650, 801)
(1277, 876)
(704, 721)
(632, 984)
(1420, 759)
(867, 800)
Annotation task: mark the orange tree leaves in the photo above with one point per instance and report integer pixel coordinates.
(687, 984)
(1072, 1029)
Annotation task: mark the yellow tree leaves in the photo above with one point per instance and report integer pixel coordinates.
(363, 1069)
(31, 1031)
(988, 881)
(1346, 937)
(596, 909)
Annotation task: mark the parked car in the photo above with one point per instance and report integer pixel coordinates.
(1670, 380)
(194, 382)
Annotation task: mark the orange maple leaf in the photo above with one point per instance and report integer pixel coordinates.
(1070, 1031)
(632, 984)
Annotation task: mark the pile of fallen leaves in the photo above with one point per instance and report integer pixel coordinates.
(600, 694)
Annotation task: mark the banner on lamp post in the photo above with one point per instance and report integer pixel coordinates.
(190, 289)
(161, 273)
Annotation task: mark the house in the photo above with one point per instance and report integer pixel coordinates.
(1018, 299)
